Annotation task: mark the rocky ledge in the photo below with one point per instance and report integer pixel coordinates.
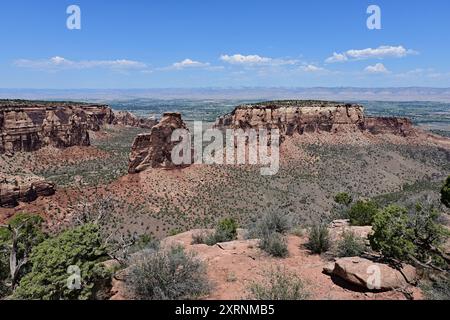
(298, 116)
(153, 150)
(15, 189)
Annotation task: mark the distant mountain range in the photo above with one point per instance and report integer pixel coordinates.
(253, 93)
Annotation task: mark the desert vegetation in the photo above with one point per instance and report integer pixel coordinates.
(279, 284)
(171, 274)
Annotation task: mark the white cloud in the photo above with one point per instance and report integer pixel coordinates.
(312, 68)
(371, 53)
(377, 68)
(188, 63)
(57, 63)
(255, 60)
(336, 57)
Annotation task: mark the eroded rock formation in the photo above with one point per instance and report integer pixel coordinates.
(28, 126)
(311, 116)
(125, 118)
(15, 189)
(153, 150)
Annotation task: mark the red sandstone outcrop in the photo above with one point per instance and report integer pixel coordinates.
(29, 126)
(153, 150)
(15, 189)
(128, 119)
(311, 116)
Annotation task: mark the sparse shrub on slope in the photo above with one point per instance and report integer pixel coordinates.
(438, 289)
(226, 231)
(271, 230)
(275, 245)
(362, 213)
(343, 198)
(319, 239)
(278, 284)
(51, 259)
(350, 245)
(167, 275)
(445, 193)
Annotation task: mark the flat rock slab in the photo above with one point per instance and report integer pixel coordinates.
(373, 276)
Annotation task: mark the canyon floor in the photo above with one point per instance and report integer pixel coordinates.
(161, 202)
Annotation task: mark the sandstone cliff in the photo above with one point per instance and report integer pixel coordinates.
(28, 126)
(15, 189)
(152, 150)
(311, 116)
(31, 125)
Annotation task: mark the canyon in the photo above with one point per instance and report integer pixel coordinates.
(30, 125)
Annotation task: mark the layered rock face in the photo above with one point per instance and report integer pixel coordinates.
(15, 189)
(125, 118)
(310, 116)
(295, 116)
(153, 150)
(397, 126)
(28, 126)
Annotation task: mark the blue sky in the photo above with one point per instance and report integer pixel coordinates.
(211, 43)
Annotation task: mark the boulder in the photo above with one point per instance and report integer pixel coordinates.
(373, 276)
(15, 189)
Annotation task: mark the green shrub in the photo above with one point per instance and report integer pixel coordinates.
(392, 234)
(350, 245)
(226, 231)
(278, 284)
(445, 193)
(362, 213)
(343, 198)
(275, 245)
(319, 239)
(167, 275)
(404, 236)
(50, 262)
